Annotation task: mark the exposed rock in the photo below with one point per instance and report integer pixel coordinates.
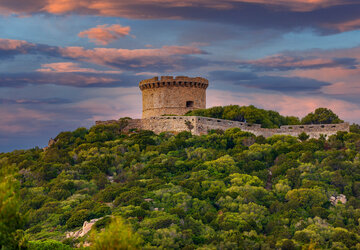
(84, 230)
(50, 143)
(335, 199)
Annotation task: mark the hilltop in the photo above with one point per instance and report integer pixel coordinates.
(224, 190)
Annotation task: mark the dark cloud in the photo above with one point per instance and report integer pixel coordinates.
(11, 48)
(284, 84)
(324, 16)
(17, 80)
(275, 83)
(226, 75)
(35, 101)
(287, 62)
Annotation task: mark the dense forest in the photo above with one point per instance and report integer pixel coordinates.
(225, 190)
(267, 118)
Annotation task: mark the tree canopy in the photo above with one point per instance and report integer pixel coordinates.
(267, 118)
(224, 190)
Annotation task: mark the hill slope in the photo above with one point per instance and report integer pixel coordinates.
(222, 190)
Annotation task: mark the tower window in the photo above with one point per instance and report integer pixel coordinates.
(189, 104)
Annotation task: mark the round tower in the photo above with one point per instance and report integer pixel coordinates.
(172, 96)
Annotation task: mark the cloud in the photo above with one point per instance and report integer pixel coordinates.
(70, 67)
(285, 84)
(149, 59)
(10, 48)
(105, 34)
(227, 75)
(336, 70)
(35, 101)
(266, 82)
(82, 80)
(25, 124)
(326, 16)
(285, 62)
(158, 59)
(19, 119)
(128, 9)
(344, 26)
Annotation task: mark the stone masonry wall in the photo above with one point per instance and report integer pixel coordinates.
(201, 125)
(172, 96)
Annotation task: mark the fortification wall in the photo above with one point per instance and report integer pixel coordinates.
(201, 125)
(175, 96)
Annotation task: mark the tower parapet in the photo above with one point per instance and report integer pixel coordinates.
(172, 96)
(166, 81)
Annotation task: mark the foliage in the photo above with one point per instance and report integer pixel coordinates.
(250, 114)
(321, 116)
(117, 235)
(267, 118)
(224, 190)
(11, 220)
(48, 245)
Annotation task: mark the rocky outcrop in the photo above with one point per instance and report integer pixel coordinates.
(336, 199)
(84, 230)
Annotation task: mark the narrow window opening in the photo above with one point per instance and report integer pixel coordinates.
(189, 104)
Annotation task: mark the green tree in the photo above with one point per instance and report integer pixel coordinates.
(11, 220)
(321, 116)
(117, 235)
(303, 136)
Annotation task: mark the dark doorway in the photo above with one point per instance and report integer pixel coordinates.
(189, 104)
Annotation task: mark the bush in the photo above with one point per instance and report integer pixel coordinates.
(117, 235)
(47, 245)
(77, 219)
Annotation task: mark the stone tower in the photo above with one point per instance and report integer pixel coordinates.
(172, 96)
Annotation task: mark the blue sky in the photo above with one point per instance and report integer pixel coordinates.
(65, 64)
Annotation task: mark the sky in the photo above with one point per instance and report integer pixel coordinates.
(65, 64)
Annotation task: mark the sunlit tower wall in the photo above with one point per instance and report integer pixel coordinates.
(172, 96)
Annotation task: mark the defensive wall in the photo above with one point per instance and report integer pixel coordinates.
(201, 125)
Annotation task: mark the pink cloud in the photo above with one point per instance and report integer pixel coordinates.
(340, 67)
(9, 44)
(344, 26)
(308, 60)
(15, 120)
(70, 67)
(166, 55)
(105, 34)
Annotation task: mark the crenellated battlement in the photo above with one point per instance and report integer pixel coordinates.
(179, 81)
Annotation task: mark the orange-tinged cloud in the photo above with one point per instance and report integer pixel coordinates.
(130, 58)
(10, 44)
(104, 34)
(131, 9)
(287, 62)
(344, 26)
(164, 58)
